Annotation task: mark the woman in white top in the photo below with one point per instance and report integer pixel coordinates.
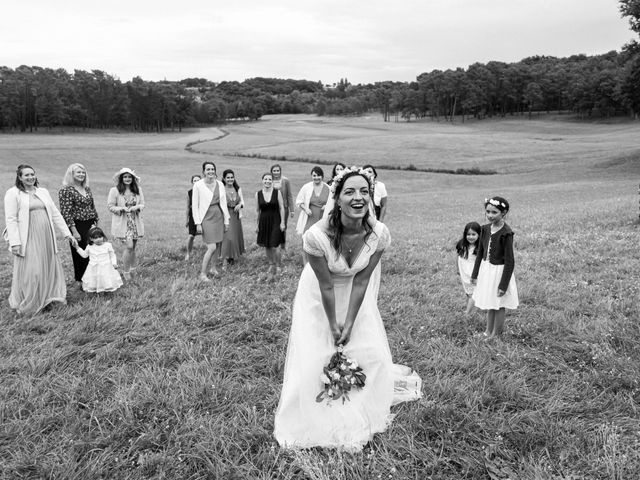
(210, 214)
(31, 220)
(311, 200)
(379, 194)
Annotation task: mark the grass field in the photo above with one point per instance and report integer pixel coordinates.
(170, 378)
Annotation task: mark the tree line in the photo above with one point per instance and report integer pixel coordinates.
(604, 85)
(590, 86)
(33, 97)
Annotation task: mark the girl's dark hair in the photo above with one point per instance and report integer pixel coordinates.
(499, 202)
(462, 247)
(318, 171)
(95, 232)
(134, 184)
(375, 173)
(235, 183)
(336, 229)
(333, 172)
(204, 164)
(194, 176)
(19, 170)
(267, 173)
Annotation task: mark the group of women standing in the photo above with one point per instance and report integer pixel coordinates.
(32, 219)
(214, 210)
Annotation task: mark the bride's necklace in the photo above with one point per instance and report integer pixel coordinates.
(349, 246)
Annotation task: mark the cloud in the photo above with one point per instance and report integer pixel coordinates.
(328, 40)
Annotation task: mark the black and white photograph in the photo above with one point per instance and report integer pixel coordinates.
(326, 240)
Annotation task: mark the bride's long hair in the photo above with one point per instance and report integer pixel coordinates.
(336, 229)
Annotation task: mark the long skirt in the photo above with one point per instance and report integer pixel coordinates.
(233, 241)
(302, 422)
(38, 277)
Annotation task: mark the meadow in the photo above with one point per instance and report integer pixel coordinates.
(170, 378)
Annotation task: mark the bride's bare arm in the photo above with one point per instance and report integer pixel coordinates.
(359, 288)
(321, 269)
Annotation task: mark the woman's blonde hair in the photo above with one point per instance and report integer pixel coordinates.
(68, 177)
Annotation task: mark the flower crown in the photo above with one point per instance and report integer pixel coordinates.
(340, 176)
(495, 203)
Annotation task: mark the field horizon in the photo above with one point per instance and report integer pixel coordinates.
(172, 378)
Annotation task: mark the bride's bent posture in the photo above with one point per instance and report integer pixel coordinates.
(335, 305)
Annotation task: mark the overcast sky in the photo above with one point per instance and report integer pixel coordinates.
(321, 40)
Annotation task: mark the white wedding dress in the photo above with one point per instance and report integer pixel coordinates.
(300, 421)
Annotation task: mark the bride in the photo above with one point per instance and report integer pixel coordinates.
(336, 305)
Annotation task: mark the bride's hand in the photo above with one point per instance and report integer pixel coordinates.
(336, 332)
(344, 337)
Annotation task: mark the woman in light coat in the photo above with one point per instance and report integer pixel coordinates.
(126, 202)
(311, 200)
(31, 220)
(210, 214)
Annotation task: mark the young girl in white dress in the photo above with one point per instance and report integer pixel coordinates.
(493, 271)
(467, 247)
(336, 305)
(101, 274)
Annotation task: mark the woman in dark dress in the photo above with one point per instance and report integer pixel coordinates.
(79, 211)
(271, 223)
(233, 240)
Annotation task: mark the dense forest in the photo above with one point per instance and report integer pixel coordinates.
(605, 85)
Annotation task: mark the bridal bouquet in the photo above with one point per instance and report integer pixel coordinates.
(339, 377)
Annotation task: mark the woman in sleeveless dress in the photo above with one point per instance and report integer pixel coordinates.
(233, 239)
(271, 224)
(282, 183)
(210, 214)
(336, 305)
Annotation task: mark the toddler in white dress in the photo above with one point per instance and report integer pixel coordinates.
(101, 274)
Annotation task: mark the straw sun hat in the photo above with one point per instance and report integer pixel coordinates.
(122, 171)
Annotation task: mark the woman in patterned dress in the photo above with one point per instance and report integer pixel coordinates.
(78, 210)
(126, 202)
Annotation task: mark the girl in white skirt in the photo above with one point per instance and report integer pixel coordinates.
(493, 271)
(101, 274)
(467, 248)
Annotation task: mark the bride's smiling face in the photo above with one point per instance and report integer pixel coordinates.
(354, 197)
